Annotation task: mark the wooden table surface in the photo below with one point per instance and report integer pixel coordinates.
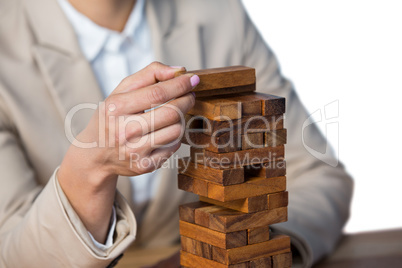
(365, 250)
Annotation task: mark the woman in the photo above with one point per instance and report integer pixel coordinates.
(60, 59)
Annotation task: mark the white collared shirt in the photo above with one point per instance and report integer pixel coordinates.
(114, 56)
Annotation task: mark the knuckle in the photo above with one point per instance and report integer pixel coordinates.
(191, 99)
(134, 129)
(145, 168)
(126, 81)
(182, 84)
(171, 115)
(177, 130)
(157, 95)
(155, 65)
(113, 104)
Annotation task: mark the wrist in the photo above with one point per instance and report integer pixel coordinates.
(80, 168)
(90, 191)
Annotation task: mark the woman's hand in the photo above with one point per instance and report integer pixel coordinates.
(125, 140)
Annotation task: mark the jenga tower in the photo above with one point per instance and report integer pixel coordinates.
(237, 168)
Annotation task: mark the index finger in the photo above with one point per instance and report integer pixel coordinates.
(149, 97)
(151, 74)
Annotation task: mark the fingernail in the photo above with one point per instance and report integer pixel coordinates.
(192, 92)
(194, 80)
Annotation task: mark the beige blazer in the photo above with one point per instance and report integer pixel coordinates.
(43, 74)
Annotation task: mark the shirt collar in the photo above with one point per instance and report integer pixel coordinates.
(92, 38)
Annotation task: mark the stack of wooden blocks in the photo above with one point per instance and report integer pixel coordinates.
(237, 168)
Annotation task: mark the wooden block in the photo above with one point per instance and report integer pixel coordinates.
(192, 185)
(277, 245)
(226, 77)
(212, 237)
(253, 187)
(261, 263)
(278, 200)
(194, 261)
(195, 122)
(228, 142)
(282, 260)
(238, 158)
(271, 169)
(218, 176)
(226, 220)
(247, 205)
(187, 211)
(201, 215)
(252, 141)
(275, 138)
(249, 106)
(270, 104)
(244, 125)
(231, 220)
(217, 108)
(225, 91)
(257, 235)
(196, 247)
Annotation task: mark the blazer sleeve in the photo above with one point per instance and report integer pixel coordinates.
(38, 227)
(320, 190)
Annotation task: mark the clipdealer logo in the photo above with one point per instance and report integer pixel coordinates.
(226, 135)
(331, 121)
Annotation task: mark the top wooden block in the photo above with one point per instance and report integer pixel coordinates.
(224, 78)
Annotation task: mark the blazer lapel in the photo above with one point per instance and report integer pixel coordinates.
(174, 43)
(69, 77)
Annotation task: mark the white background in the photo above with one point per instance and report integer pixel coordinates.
(350, 51)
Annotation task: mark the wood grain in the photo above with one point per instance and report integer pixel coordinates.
(194, 261)
(261, 263)
(277, 245)
(196, 247)
(225, 91)
(231, 220)
(187, 211)
(212, 237)
(192, 185)
(226, 220)
(250, 106)
(202, 214)
(270, 104)
(253, 187)
(238, 158)
(217, 108)
(218, 78)
(252, 141)
(278, 200)
(227, 142)
(282, 260)
(257, 235)
(271, 169)
(247, 205)
(219, 176)
(275, 138)
(244, 125)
